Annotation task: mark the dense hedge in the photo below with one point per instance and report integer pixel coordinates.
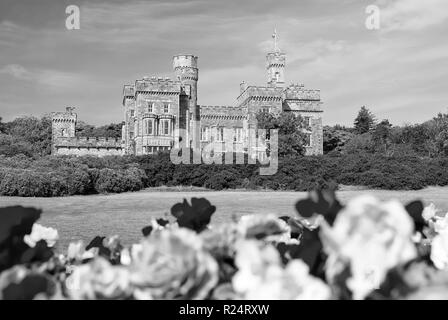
(304, 173)
(60, 176)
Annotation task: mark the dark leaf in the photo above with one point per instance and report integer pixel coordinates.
(415, 210)
(162, 222)
(15, 223)
(288, 251)
(41, 252)
(29, 287)
(195, 217)
(147, 231)
(98, 242)
(320, 202)
(340, 282)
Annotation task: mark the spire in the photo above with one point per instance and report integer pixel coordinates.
(275, 37)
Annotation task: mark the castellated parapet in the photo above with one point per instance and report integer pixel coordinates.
(65, 141)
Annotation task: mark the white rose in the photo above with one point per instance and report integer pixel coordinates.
(439, 250)
(38, 233)
(429, 212)
(261, 276)
(371, 237)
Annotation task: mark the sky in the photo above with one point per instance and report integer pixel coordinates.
(400, 71)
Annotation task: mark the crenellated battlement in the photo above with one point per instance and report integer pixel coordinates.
(128, 90)
(227, 112)
(260, 93)
(90, 142)
(185, 61)
(157, 84)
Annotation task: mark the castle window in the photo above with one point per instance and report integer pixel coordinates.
(64, 132)
(265, 109)
(220, 134)
(238, 135)
(308, 139)
(166, 107)
(307, 121)
(165, 127)
(132, 113)
(149, 126)
(277, 76)
(205, 133)
(150, 107)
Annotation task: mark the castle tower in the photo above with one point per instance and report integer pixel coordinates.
(63, 125)
(185, 68)
(275, 65)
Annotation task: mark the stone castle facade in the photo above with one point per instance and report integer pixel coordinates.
(65, 141)
(162, 113)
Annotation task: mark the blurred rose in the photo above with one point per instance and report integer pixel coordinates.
(173, 265)
(130, 254)
(225, 291)
(75, 251)
(98, 279)
(439, 250)
(261, 275)
(429, 212)
(371, 237)
(267, 227)
(440, 224)
(427, 282)
(436, 292)
(221, 239)
(38, 233)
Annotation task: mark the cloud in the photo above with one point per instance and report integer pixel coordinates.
(51, 79)
(17, 71)
(412, 15)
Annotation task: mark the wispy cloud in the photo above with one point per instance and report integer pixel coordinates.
(412, 15)
(46, 78)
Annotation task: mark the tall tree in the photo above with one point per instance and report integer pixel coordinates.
(291, 138)
(365, 121)
(35, 131)
(382, 136)
(336, 137)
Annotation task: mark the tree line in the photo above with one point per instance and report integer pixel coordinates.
(372, 153)
(368, 135)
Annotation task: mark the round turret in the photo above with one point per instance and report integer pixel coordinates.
(185, 60)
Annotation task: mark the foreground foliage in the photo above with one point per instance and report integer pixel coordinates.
(366, 250)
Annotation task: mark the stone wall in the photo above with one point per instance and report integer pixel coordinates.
(65, 142)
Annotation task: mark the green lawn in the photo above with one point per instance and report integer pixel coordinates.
(82, 217)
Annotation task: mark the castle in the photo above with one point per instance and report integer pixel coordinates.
(162, 113)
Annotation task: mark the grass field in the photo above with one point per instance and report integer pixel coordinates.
(83, 217)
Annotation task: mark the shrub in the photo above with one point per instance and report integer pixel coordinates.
(116, 180)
